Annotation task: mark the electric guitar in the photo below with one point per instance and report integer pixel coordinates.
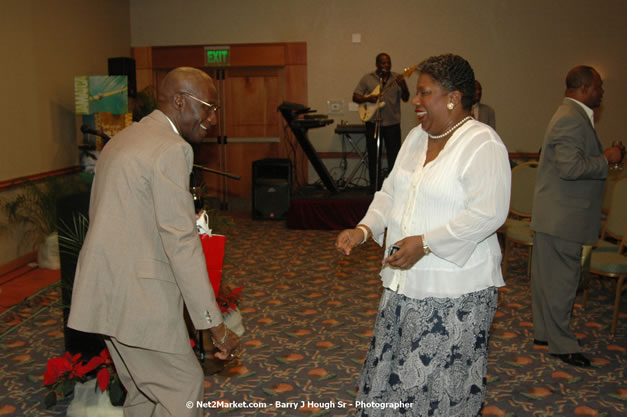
(367, 109)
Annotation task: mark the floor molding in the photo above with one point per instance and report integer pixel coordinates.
(16, 263)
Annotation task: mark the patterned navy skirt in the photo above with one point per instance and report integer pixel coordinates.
(428, 357)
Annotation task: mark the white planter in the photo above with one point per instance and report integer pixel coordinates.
(48, 254)
(89, 401)
(233, 320)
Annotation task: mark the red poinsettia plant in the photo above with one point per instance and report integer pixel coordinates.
(62, 374)
(228, 299)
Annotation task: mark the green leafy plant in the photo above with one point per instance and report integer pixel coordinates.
(72, 236)
(35, 205)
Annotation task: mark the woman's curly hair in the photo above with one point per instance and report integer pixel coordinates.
(452, 72)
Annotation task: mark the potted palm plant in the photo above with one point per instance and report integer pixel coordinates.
(34, 208)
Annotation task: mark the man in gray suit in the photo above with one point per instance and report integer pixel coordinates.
(567, 211)
(142, 259)
(482, 112)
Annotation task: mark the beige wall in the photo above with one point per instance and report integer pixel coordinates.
(44, 44)
(520, 50)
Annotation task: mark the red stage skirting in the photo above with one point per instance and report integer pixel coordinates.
(318, 209)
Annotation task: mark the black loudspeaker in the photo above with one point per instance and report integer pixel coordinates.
(124, 66)
(272, 188)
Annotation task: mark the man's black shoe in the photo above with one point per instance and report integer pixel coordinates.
(575, 359)
(545, 343)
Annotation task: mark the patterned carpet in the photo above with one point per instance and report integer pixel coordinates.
(309, 313)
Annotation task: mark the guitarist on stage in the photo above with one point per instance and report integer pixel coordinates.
(394, 90)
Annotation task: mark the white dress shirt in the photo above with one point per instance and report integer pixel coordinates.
(585, 108)
(457, 201)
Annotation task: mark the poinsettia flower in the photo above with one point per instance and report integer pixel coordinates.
(105, 355)
(65, 371)
(104, 376)
(228, 298)
(82, 370)
(49, 378)
(55, 368)
(72, 358)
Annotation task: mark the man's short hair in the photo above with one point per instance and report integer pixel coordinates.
(382, 54)
(580, 76)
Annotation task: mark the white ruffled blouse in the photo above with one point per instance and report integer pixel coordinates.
(457, 201)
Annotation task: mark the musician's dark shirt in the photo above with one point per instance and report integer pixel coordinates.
(391, 111)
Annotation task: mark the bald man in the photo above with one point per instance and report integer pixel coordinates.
(142, 260)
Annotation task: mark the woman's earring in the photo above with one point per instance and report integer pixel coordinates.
(450, 106)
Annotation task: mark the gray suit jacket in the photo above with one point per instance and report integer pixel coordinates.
(142, 258)
(570, 179)
(485, 114)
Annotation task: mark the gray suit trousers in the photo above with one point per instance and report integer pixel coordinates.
(159, 384)
(555, 274)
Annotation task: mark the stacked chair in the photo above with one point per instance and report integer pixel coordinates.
(607, 259)
(516, 228)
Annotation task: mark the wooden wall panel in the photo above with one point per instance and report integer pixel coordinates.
(164, 57)
(240, 157)
(261, 55)
(143, 57)
(260, 78)
(296, 53)
(252, 102)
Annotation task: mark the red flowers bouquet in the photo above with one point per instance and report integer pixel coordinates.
(64, 372)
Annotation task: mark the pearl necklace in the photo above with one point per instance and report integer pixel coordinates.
(452, 129)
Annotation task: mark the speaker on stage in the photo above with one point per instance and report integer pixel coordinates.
(124, 66)
(272, 188)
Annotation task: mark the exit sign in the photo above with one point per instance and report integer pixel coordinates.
(218, 56)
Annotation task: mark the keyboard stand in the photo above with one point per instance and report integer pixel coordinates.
(363, 160)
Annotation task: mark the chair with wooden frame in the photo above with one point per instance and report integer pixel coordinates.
(516, 228)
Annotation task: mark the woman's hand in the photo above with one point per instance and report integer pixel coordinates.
(411, 251)
(348, 239)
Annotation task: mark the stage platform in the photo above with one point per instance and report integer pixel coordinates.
(313, 207)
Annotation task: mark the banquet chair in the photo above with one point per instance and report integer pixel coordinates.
(516, 227)
(612, 265)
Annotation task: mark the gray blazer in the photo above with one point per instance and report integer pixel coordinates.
(142, 258)
(570, 178)
(485, 114)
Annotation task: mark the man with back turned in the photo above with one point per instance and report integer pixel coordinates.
(567, 211)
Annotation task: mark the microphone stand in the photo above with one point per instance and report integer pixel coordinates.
(377, 135)
(215, 171)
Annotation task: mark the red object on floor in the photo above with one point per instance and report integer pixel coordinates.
(213, 247)
(23, 282)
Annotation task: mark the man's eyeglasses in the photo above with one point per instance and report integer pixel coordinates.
(212, 107)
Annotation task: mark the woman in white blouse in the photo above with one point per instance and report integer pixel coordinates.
(442, 203)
